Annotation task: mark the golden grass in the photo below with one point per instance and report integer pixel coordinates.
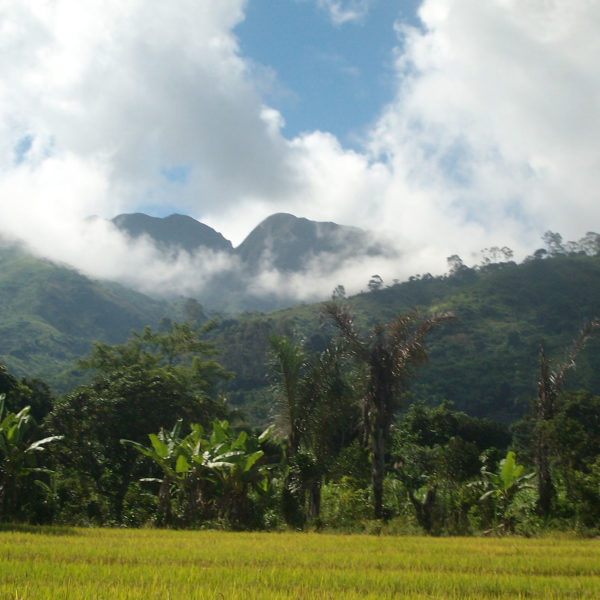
(136, 564)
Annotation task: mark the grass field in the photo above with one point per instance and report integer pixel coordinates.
(111, 563)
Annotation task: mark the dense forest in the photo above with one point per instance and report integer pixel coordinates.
(459, 404)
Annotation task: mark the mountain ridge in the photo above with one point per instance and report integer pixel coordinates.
(174, 230)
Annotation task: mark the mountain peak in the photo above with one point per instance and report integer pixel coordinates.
(289, 243)
(176, 230)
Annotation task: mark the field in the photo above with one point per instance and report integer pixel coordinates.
(112, 563)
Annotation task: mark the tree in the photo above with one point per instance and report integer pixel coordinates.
(550, 385)
(315, 413)
(339, 292)
(496, 254)
(17, 454)
(434, 452)
(333, 416)
(288, 365)
(554, 243)
(25, 392)
(389, 353)
(590, 243)
(375, 283)
(455, 264)
(147, 383)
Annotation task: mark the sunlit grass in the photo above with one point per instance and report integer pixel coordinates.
(131, 564)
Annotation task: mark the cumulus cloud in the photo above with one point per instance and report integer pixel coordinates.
(495, 116)
(108, 106)
(112, 106)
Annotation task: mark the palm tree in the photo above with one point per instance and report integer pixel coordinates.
(550, 385)
(289, 364)
(390, 352)
(314, 413)
(333, 415)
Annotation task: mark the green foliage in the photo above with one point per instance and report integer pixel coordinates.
(573, 438)
(18, 455)
(318, 415)
(503, 485)
(485, 362)
(389, 354)
(207, 476)
(436, 453)
(346, 506)
(51, 315)
(139, 387)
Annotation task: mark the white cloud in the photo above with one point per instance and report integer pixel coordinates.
(496, 114)
(345, 11)
(491, 138)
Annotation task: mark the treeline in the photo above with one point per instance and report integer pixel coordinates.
(485, 361)
(150, 441)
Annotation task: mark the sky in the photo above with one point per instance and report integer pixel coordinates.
(446, 126)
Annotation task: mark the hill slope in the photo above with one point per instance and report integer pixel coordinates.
(50, 315)
(485, 362)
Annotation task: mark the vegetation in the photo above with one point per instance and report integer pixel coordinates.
(485, 361)
(356, 438)
(389, 355)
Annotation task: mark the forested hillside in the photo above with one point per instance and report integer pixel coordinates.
(361, 427)
(486, 361)
(50, 316)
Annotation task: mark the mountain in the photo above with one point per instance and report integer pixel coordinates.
(283, 241)
(280, 247)
(486, 361)
(289, 243)
(50, 315)
(175, 231)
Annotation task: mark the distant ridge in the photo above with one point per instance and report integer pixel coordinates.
(282, 241)
(289, 242)
(174, 231)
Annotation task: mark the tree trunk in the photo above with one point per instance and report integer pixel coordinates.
(164, 502)
(545, 487)
(378, 464)
(314, 499)
(424, 510)
(545, 409)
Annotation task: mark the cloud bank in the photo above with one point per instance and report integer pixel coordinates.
(119, 106)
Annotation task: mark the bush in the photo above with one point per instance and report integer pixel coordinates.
(344, 505)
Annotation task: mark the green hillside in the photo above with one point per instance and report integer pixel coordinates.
(485, 361)
(50, 315)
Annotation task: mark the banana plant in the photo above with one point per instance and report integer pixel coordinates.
(219, 469)
(504, 485)
(17, 453)
(231, 463)
(169, 451)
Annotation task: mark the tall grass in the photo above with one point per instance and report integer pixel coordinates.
(132, 564)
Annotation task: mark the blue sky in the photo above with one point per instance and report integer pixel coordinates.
(445, 126)
(331, 77)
